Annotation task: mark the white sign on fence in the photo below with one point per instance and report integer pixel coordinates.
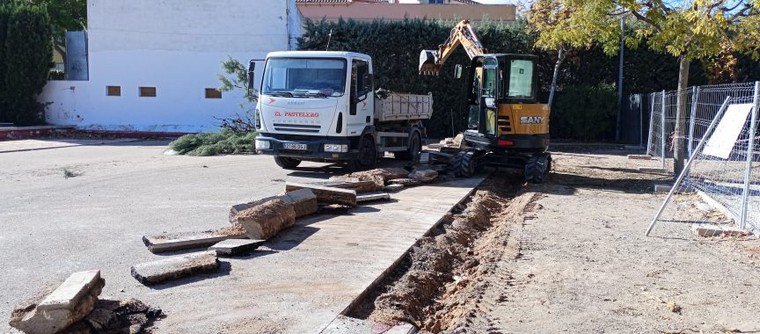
(730, 126)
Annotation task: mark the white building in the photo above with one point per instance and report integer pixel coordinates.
(153, 65)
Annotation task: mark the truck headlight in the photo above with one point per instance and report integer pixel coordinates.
(263, 144)
(336, 148)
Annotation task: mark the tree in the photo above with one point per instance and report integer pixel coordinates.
(65, 15)
(688, 30)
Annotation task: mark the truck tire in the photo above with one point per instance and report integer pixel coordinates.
(462, 164)
(537, 168)
(367, 155)
(413, 151)
(287, 163)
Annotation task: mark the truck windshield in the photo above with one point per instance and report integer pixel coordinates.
(301, 77)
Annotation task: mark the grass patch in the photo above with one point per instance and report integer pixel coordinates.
(226, 141)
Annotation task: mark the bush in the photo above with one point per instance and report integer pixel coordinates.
(585, 113)
(225, 142)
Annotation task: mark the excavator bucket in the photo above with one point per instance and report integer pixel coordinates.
(429, 63)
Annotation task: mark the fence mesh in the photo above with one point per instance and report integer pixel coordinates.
(720, 185)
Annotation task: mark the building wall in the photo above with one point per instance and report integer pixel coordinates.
(176, 46)
(387, 11)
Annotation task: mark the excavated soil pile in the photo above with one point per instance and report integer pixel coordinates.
(448, 272)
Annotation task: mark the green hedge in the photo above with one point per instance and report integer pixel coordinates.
(25, 61)
(585, 113)
(586, 75)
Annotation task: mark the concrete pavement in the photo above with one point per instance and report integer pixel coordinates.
(298, 282)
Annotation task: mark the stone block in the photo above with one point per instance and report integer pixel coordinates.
(73, 300)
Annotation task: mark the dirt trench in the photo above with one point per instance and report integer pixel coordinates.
(442, 284)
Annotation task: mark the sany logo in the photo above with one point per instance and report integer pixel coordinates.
(531, 120)
(271, 100)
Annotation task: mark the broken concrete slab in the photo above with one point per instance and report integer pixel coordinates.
(377, 196)
(404, 181)
(424, 175)
(235, 209)
(235, 246)
(704, 230)
(189, 240)
(267, 219)
(155, 272)
(304, 202)
(392, 188)
(662, 188)
(383, 173)
(326, 195)
(73, 300)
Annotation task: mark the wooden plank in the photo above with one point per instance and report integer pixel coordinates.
(326, 195)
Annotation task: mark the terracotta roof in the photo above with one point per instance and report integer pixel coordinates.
(466, 2)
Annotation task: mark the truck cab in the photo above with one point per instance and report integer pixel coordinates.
(316, 106)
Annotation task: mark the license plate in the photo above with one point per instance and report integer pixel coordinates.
(294, 146)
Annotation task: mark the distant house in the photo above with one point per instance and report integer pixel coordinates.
(152, 65)
(393, 10)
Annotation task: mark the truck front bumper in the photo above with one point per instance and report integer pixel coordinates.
(323, 149)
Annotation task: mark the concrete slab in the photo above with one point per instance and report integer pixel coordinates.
(175, 267)
(235, 246)
(369, 197)
(68, 294)
(188, 240)
(316, 269)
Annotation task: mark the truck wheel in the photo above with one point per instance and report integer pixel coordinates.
(287, 163)
(413, 151)
(367, 155)
(462, 164)
(537, 168)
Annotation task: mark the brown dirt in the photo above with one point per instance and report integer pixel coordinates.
(571, 255)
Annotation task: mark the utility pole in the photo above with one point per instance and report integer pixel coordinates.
(620, 80)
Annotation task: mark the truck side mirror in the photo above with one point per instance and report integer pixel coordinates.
(458, 71)
(251, 68)
(368, 82)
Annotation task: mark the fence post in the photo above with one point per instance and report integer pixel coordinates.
(750, 153)
(662, 130)
(652, 96)
(693, 118)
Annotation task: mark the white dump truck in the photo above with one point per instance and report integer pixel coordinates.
(322, 106)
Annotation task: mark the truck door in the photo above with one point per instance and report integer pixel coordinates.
(361, 106)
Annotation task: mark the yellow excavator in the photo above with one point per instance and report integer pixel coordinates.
(506, 125)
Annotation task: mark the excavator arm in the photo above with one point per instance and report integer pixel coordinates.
(462, 34)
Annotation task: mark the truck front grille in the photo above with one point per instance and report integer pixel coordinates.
(302, 128)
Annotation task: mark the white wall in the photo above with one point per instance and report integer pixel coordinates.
(176, 46)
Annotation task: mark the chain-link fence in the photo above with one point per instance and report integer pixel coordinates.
(723, 152)
(662, 122)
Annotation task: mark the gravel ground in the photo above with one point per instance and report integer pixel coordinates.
(570, 255)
